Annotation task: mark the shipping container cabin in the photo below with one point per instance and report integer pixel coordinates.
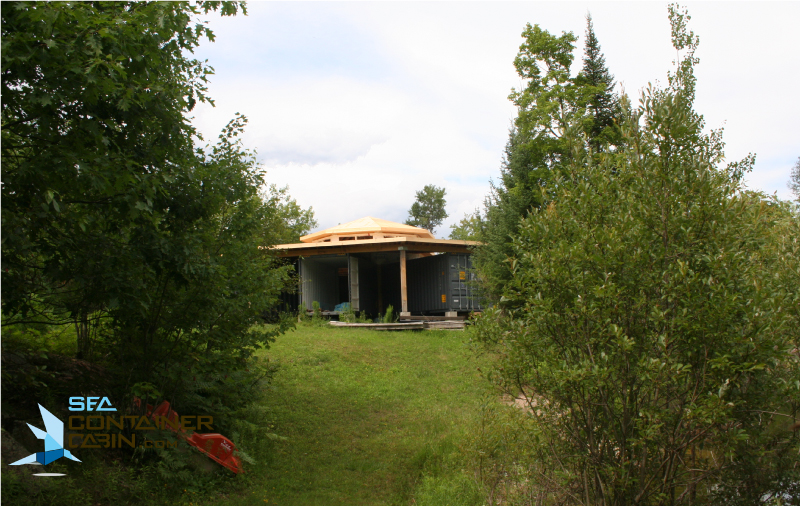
(372, 263)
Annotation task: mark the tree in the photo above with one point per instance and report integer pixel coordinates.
(535, 150)
(597, 96)
(200, 282)
(428, 210)
(291, 221)
(794, 179)
(558, 115)
(469, 228)
(645, 322)
(94, 130)
(114, 220)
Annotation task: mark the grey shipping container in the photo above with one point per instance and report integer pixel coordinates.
(325, 280)
(442, 283)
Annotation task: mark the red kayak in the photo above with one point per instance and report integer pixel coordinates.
(216, 446)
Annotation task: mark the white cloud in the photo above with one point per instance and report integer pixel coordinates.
(358, 105)
(330, 120)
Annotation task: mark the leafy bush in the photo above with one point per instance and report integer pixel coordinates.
(153, 249)
(646, 319)
(149, 250)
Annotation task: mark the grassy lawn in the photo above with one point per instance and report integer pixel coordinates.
(365, 414)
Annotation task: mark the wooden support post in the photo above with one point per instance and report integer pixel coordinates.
(352, 271)
(403, 284)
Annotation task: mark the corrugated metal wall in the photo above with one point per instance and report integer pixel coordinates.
(320, 283)
(427, 285)
(462, 296)
(436, 284)
(441, 283)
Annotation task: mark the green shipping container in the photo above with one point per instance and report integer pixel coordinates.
(442, 283)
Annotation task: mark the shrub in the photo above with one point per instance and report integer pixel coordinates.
(389, 316)
(646, 320)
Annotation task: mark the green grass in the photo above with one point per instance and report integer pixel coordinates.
(368, 416)
(352, 416)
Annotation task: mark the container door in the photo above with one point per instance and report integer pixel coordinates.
(472, 289)
(463, 299)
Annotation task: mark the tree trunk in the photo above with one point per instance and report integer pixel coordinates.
(84, 339)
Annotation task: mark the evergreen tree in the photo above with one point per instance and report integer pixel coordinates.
(598, 99)
(524, 180)
(556, 111)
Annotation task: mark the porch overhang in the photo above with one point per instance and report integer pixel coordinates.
(410, 244)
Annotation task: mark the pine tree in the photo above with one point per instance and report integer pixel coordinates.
(555, 110)
(596, 85)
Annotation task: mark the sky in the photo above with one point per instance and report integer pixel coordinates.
(355, 106)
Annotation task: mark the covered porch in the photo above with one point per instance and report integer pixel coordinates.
(372, 264)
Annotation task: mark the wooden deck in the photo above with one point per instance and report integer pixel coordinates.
(414, 325)
(445, 325)
(382, 326)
